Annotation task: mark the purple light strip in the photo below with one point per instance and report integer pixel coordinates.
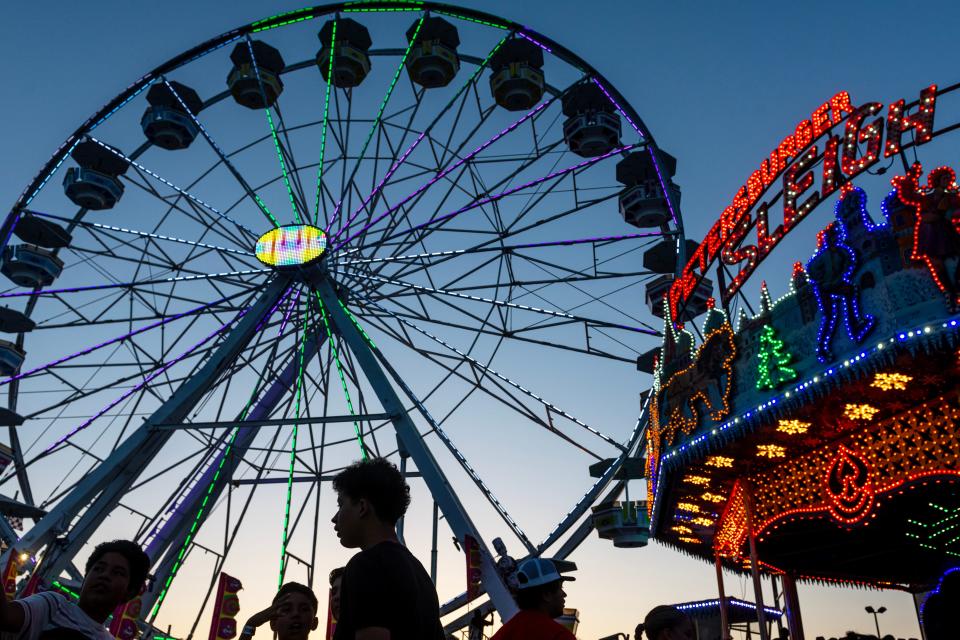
(447, 171)
(145, 382)
(84, 352)
(618, 108)
(539, 44)
(292, 306)
(396, 165)
(97, 287)
(532, 183)
(663, 184)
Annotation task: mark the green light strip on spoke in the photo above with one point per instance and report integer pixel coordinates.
(200, 512)
(343, 380)
(283, 165)
(357, 325)
(469, 19)
(264, 25)
(326, 113)
(386, 98)
(293, 455)
(56, 584)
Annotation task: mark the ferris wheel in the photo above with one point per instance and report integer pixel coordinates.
(398, 229)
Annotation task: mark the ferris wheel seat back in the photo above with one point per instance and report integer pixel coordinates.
(517, 82)
(30, 266)
(625, 523)
(33, 229)
(168, 121)
(350, 63)
(11, 357)
(433, 61)
(254, 81)
(592, 127)
(643, 202)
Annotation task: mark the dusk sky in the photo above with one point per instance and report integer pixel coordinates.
(718, 84)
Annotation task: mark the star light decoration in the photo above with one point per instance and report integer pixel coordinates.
(703, 522)
(688, 506)
(771, 451)
(690, 540)
(722, 462)
(679, 528)
(860, 411)
(701, 481)
(793, 427)
(713, 497)
(891, 381)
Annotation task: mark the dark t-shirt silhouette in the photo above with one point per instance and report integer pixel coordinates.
(386, 586)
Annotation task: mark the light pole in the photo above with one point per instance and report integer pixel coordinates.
(875, 613)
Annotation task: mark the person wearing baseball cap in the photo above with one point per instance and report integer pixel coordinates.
(540, 597)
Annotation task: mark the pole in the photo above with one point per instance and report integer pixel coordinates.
(724, 617)
(755, 564)
(792, 601)
(776, 601)
(433, 549)
(876, 622)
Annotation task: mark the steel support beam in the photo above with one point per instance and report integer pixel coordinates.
(453, 510)
(277, 422)
(101, 490)
(172, 535)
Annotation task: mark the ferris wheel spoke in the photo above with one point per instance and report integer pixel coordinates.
(441, 174)
(413, 289)
(276, 141)
(554, 408)
(458, 456)
(155, 237)
(435, 222)
(179, 190)
(257, 201)
(377, 123)
(461, 92)
(178, 204)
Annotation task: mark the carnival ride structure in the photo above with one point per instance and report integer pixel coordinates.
(815, 437)
(341, 232)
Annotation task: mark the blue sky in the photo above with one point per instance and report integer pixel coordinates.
(719, 85)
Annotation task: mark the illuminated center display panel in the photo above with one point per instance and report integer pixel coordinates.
(291, 246)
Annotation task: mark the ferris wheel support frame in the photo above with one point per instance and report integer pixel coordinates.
(172, 535)
(102, 489)
(453, 510)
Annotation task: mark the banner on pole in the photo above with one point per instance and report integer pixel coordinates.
(474, 572)
(124, 623)
(225, 609)
(10, 572)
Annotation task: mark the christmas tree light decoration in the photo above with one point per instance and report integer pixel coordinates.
(891, 381)
(721, 462)
(688, 506)
(702, 481)
(772, 361)
(771, 451)
(712, 497)
(860, 411)
(792, 427)
(703, 522)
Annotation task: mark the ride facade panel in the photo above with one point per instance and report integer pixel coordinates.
(816, 438)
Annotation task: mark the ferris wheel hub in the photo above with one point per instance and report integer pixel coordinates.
(291, 246)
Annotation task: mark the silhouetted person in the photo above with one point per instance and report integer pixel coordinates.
(336, 584)
(541, 598)
(292, 614)
(386, 594)
(114, 574)
(667, 623)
